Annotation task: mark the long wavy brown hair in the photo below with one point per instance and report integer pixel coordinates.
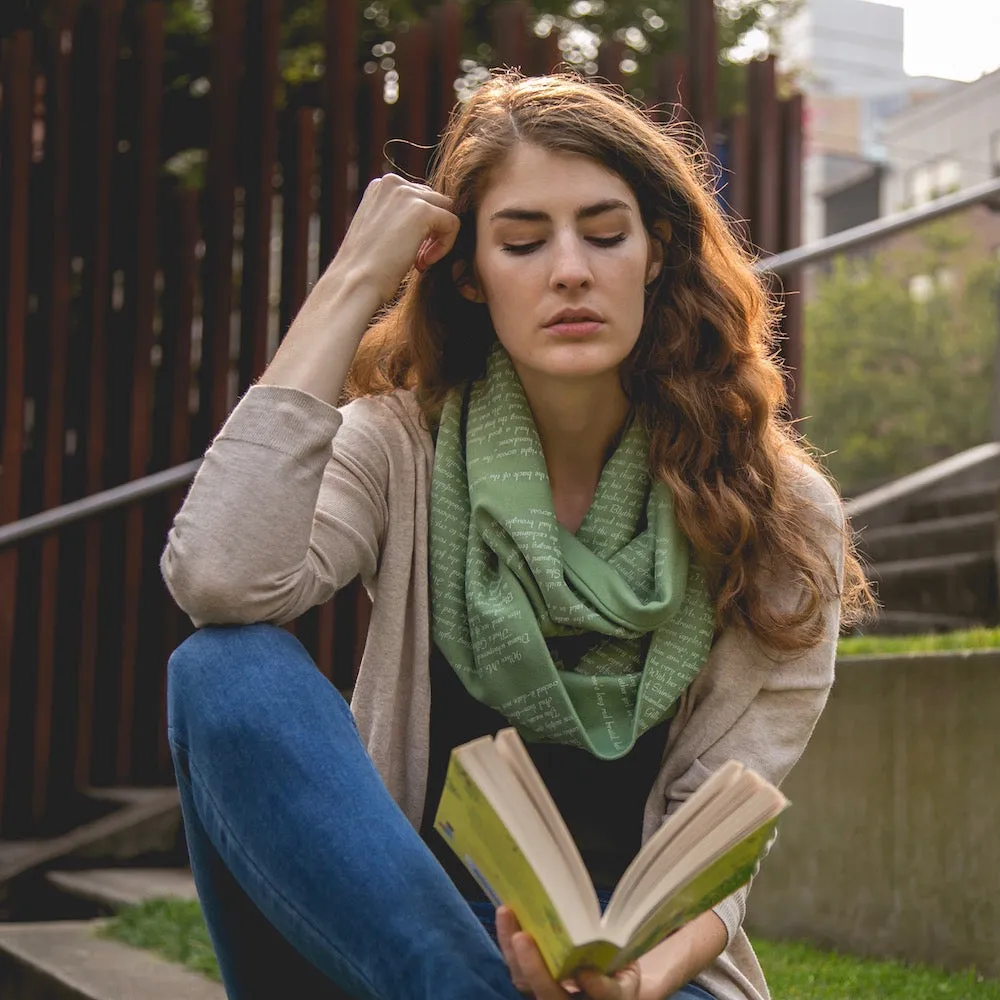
(703, 376)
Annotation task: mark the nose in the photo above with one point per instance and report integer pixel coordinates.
(571, 267)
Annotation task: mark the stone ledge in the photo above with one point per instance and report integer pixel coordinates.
(118, 887)
(147, 820)
(68, 961)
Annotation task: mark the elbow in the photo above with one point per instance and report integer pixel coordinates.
(211, 591)
(202, 590)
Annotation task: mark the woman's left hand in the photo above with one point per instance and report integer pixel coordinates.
(531, 975)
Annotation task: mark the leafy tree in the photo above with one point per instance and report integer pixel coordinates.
(646, 28)
(898, 376)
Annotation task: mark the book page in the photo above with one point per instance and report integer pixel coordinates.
(672, 828)
(513, 750)
(701, 892)
(665, 876)
(689, 846)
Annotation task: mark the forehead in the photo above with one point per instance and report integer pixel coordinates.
(531, 177)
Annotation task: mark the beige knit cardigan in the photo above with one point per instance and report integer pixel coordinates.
(296, 498)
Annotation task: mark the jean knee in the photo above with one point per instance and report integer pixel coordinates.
(211, 664)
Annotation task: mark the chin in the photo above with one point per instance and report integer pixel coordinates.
(576, 360)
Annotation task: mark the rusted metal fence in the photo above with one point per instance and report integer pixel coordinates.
(135, 310)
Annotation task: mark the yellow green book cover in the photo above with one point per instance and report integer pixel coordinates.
(476, 834)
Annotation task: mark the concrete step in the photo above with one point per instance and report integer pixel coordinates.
(962, 585)
(146, 821)
(919, 623)
(937, 537)
(68, 961)
(954, 502)
(117, 887)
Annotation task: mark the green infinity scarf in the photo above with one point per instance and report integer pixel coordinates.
(585, 639)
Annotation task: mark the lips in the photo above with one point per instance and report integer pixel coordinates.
(575, 316)
(574, 329)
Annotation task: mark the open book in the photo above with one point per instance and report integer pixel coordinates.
(499, 818)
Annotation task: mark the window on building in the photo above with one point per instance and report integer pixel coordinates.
(995, 153)
(948, 177)
(921, 184)
(931, 180)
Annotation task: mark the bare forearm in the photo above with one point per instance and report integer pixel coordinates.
(676, 961)
(317, 351)
(380, 247)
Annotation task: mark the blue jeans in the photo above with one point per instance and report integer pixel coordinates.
(312, 881)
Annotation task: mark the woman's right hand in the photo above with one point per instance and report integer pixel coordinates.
(394, 220)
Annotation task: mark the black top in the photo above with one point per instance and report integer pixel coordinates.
(601, 801)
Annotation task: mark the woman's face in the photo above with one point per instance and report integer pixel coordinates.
(556, 232)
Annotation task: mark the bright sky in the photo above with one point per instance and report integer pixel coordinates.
(956, 39)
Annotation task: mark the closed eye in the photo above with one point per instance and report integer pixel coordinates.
(526, 248)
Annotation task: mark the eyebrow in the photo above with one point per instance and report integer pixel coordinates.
(587, 212)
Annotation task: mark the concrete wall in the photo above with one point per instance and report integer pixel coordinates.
(892, 844)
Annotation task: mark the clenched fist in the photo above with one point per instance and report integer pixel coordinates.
(395, 219)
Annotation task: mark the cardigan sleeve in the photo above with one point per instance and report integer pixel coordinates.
(288, 506)
(768, 737)
(771, 733)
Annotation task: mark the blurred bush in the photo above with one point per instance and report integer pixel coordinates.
(899, 356)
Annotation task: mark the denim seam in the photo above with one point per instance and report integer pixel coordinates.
(279, 895)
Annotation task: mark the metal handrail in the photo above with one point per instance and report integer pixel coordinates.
(97, 503)
(870, 232)
(812, 253)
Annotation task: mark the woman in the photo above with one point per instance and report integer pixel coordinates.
(564, 479)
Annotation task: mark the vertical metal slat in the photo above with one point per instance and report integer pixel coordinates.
(219, 211)
(16, 161)
(260, 143)
(57, 131)
(150, 50)
(97, 296)
(339, 143)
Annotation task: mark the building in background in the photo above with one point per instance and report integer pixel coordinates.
(847, 59)
(941, 144)
(855, 199)
(842, 47)
(946, 143)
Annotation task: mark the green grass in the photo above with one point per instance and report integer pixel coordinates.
(865, 645)
(175, 929)
(801, 972)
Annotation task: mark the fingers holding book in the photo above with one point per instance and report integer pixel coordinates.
(531, 975)
(507, 928)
